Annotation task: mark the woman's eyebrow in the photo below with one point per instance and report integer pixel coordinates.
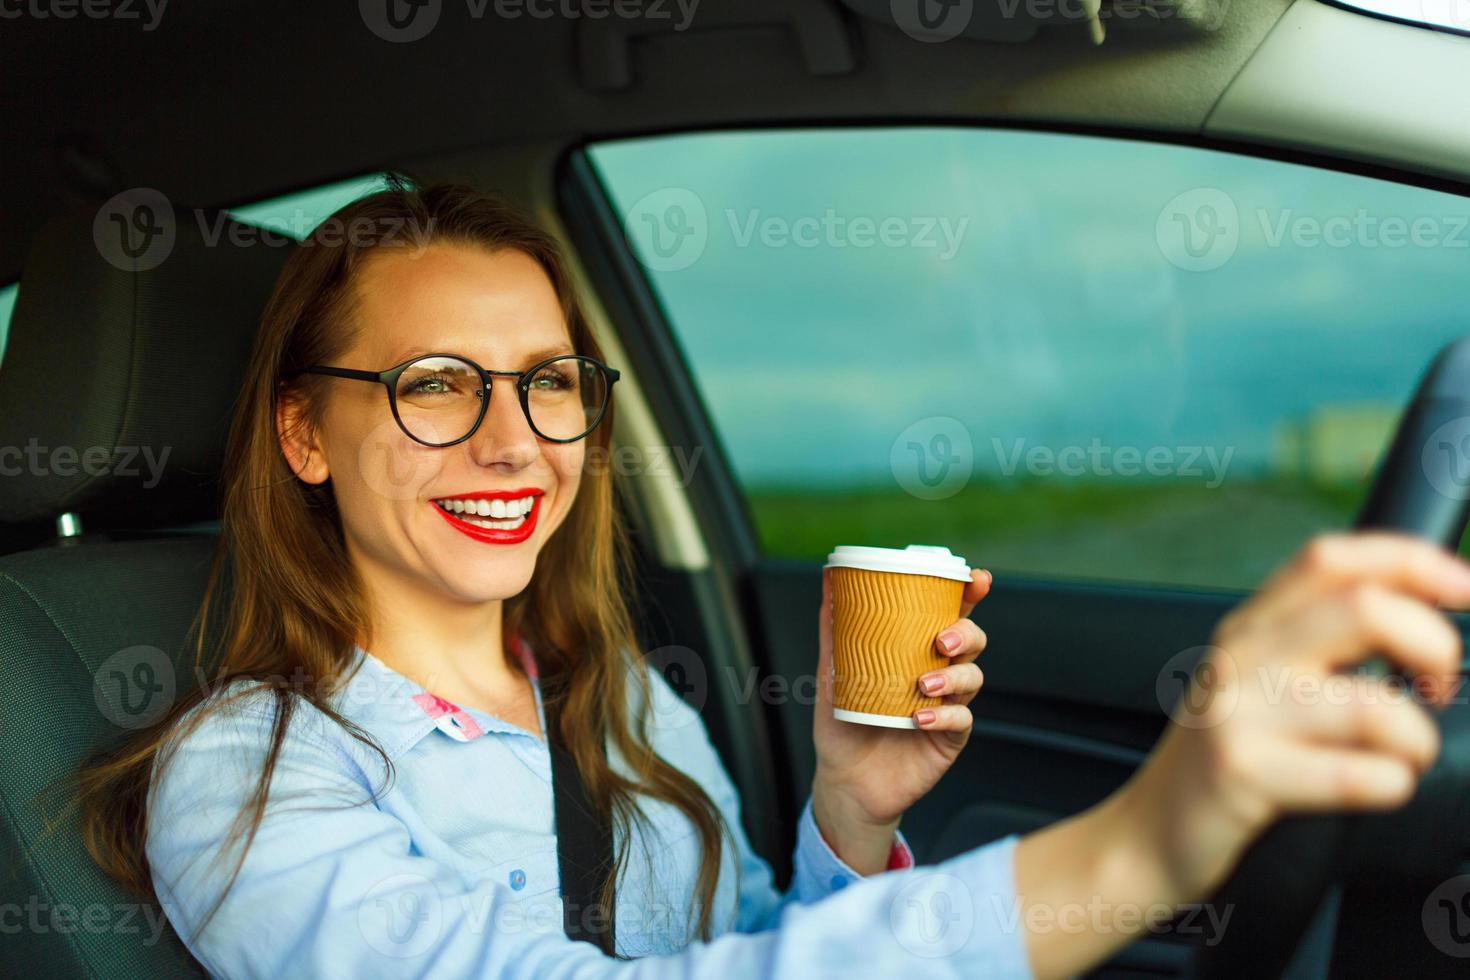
(527, 359)
(545, 353)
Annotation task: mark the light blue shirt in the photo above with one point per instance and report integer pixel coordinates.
(452, 872)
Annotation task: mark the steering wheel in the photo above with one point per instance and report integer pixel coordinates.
(1386, 885)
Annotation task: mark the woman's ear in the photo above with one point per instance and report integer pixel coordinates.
(299, 440)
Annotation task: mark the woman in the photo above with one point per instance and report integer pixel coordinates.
(414, 569)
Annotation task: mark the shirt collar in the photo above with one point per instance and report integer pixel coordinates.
(398, 713)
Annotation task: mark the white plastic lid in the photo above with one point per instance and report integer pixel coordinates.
(916, 559)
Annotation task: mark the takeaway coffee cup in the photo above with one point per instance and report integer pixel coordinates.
(888, 605)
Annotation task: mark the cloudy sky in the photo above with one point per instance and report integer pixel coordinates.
(1063, 306)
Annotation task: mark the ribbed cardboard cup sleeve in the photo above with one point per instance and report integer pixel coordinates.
(883, 630)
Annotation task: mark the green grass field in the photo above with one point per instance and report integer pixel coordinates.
(1160, 532)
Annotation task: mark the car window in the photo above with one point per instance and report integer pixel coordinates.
(1062, 356)
(298, 213)
(7, 307)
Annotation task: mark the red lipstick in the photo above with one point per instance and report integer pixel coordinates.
(491, 535)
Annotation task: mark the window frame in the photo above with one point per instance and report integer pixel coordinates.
(1376, 14)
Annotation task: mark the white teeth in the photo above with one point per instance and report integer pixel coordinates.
(511, 514)
(499, 509)
(501, 525)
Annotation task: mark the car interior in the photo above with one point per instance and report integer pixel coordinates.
(579, 118)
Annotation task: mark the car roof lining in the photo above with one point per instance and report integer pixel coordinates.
(225, 104)
(1335, 80)
(233, 102)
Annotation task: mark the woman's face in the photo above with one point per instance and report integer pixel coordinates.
(408, 510)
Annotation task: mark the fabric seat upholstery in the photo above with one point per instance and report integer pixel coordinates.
(94, 630)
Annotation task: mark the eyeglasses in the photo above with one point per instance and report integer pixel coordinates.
(440, 399)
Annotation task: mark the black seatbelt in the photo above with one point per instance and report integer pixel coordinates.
(584, 845)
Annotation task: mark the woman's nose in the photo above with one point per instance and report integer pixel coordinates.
(505, 435)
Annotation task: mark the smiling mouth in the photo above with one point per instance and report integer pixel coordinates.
(493, 518)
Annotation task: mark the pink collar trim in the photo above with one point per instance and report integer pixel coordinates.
(453, 720)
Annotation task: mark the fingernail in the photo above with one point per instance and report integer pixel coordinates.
(925, 717)
(931, 683)
(949, 640)
(988, 576)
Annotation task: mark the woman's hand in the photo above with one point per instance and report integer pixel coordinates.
(1275, 727)
(868, 776)
(1271, 726)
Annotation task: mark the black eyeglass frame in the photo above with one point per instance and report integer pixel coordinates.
(389, 380)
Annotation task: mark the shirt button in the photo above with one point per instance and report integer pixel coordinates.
(517, 879)
(839, 881)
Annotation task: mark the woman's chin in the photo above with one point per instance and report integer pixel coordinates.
(474, 586)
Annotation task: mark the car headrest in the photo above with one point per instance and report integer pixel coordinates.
(127, 348)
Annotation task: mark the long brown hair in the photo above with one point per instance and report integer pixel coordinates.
(283, 605)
